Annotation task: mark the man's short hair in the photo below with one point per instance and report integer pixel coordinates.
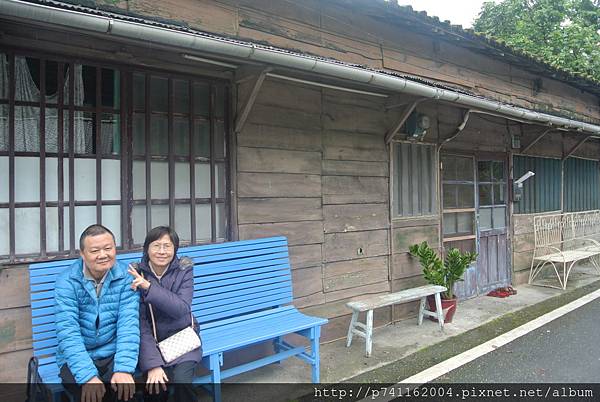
(94, 230)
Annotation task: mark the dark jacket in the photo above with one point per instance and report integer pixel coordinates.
(171, 300)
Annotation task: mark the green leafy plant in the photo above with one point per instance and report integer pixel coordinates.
(563, 33)
(442, 272)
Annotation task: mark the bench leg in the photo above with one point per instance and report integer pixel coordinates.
(369, 333)
(350, 333)
(315, 334)
(567, 272)
(594, 261)
(215, 369)
(421, 310)
(276, 346)
(440, 313)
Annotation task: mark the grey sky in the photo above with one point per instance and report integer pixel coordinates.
(459, 12)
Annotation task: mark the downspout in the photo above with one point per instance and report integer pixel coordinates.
(40, 14)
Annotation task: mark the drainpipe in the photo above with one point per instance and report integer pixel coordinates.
(24, 12)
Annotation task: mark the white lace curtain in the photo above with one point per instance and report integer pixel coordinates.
(27, 118)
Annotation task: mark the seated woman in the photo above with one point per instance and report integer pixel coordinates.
(166, 284)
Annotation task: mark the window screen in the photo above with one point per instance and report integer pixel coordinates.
(414, 180)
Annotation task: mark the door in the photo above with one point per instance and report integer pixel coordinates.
(492, 262)
(475, 219)
(459, 228)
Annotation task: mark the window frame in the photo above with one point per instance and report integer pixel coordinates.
(494, 182)
(69, 247)
(395, 179)
(466, 241)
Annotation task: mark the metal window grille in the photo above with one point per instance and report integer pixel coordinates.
(67, 156)
(415, 180)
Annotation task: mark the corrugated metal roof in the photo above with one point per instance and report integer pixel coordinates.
(91, 7)
(440, 28)
(495, 48)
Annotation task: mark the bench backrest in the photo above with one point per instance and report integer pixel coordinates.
(581, 225)
(555, 230)
(548, 230)
(230, 279)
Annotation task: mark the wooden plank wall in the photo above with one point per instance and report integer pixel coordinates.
(15, 324)
(355, 204)
(366, 32)
(313, 166)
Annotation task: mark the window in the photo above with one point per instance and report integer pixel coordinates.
(541, 193)
(415, 180)
(492, 198)
(458, 184)
(581, 185)
(179, 164)
(85, 143)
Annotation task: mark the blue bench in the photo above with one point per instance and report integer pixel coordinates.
(242, 296)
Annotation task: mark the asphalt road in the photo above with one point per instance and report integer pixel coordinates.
(566, 350)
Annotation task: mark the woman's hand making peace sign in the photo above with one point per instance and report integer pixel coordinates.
(138, 280)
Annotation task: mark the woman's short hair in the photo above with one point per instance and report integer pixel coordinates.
(156, 234)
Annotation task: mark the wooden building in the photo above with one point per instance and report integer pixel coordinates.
(353, 127)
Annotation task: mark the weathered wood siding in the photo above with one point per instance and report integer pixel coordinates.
(523, 245)
(15, 324)
(280, 182)
(366, 32)
(318, 174)
(355, 201)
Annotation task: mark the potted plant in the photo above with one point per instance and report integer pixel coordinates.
(443, 272)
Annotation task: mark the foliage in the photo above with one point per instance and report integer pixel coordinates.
(563, 33)
(444, 273)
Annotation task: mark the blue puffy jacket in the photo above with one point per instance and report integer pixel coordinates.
(89, 327)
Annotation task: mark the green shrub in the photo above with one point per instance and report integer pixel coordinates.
(444, 273)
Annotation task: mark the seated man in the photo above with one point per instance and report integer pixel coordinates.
(97, 322)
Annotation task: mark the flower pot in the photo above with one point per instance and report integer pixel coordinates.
(448, 308)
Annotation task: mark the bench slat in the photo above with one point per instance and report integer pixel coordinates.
(38, 329)
(244, 285)
(239, 255)
(46, 343)
(407, 295)
(202, 269)
(216, 252)
(249, 272)
(207, 316)
(201, 297)
(246, 317)
(256, 301)
(47, 294)
(242, 298)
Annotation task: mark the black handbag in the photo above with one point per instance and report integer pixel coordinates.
(36, 390)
